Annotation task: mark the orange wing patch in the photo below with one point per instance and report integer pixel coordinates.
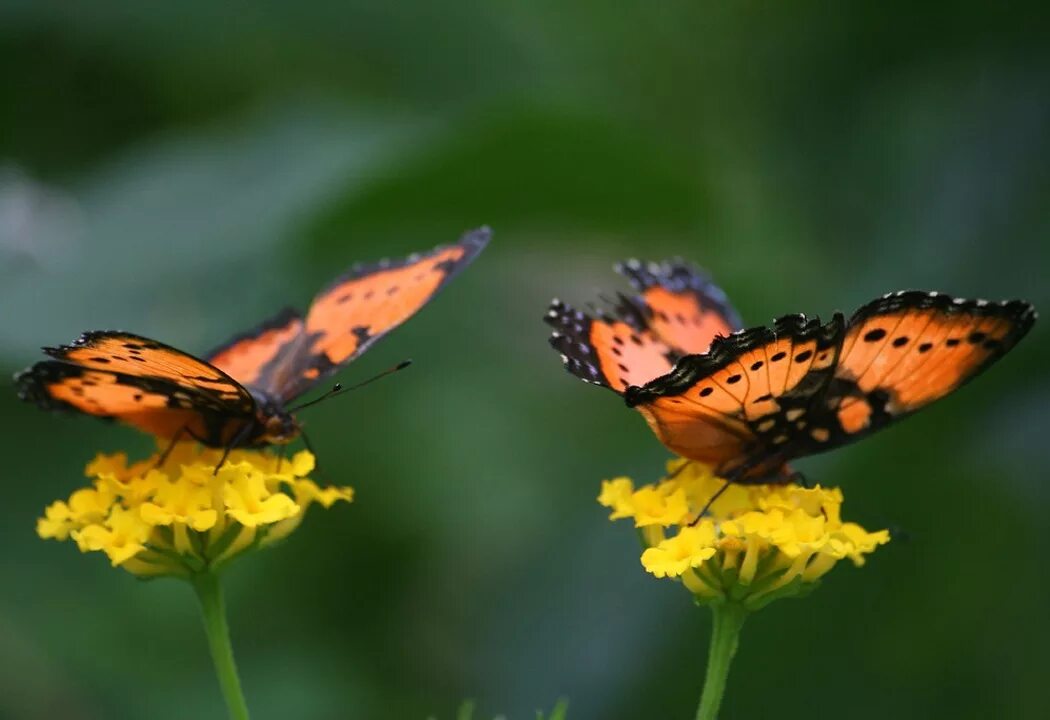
(132, 355)
(682, 322)
(368, 302)
(103, 395)
(142, 383)
(605, 351)
(691, 430)
(683, 307)
(250, 358)
(679, 311)
(360, 309)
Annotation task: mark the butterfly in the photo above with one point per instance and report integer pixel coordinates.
(747, 401)
(238, 394)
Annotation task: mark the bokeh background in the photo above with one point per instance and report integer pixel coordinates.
(182, 169)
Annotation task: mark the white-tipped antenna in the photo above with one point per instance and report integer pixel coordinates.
(338, 389)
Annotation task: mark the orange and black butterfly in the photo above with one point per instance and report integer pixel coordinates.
(238, 395)
(748, 401)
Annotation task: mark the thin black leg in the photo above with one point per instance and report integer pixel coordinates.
(171, 446)
(310, 447)
(282, 450)
(710, 501)
(237, 440)
(678, 470)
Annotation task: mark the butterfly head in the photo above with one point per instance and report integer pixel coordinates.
(277, 426)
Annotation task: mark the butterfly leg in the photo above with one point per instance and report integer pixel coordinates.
(171, 446)
(730, 479)
(710, 502)
(237, 440)
(801, 480)
(310, 448)
(677, 471)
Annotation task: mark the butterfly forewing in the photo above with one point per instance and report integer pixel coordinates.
(141, 382)
(119, 352)
(365, 304)
(907, 350)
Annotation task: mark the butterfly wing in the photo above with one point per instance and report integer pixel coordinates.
(142, 383)
(612, 351)
(681, 304)
(678, 311)
(802, 388)
(906, 350)
(259, 358)
(742, 406)
(352, 313)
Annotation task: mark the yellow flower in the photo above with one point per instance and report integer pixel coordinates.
(249, 501)
(180, 502)
(181, 517)
(690, 548)
(757, 543)
(121, 537)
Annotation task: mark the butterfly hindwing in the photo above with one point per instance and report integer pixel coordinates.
(683, 307)
(678, 311)
(141, 382)
(604, 350)
(759, 385)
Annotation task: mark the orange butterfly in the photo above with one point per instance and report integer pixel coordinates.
(238, 395)
(747, 402)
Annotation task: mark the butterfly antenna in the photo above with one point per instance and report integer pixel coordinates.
(338, 388)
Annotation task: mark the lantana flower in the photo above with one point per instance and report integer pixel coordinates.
(187, 514)
(753, 545)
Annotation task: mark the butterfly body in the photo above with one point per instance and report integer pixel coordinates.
(755, 399)
(238, 396)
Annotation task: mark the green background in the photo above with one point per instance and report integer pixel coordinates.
(182, 169)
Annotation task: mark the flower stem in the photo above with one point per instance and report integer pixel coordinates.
(213, 610)
(725, 631)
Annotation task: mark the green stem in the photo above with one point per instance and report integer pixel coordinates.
(725, 631)
(213, 610)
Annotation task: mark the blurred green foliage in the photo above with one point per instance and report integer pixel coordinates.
(560, 712)
(181, 169)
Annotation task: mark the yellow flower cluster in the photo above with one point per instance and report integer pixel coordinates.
(756, 543)
(181, 516)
